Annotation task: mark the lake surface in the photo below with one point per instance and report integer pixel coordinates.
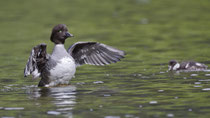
(151, 32)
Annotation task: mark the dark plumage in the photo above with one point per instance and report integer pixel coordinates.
(59, 67)
(94, 53)
(186, 65)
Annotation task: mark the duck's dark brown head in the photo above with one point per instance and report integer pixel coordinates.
(172, 62)
(60, 34)
(173, 65)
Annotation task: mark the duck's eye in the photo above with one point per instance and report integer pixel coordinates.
(60, 31)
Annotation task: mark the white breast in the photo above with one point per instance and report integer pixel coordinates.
(62, 72)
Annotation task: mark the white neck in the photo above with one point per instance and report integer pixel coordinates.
(59, 51)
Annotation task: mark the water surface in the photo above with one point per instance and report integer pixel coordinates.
(151, 32)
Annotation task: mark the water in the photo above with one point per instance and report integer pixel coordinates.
(151, 32)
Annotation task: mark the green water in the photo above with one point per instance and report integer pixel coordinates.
(152, 32)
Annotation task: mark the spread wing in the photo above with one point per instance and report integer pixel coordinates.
(36, 61)
(94, 53)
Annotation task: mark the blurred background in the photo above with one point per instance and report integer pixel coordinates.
(151, 32)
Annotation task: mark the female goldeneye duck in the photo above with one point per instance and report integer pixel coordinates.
(187, 65)
(59, 67)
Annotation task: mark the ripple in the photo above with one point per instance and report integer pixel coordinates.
(7, 117)
(193, 75)
(65, 97)
(197, 83)
(13, 108)
(66, 103)
(129, 116)
(170, 115)
(53, 113)
(65, 109)
(107, 75)
(207, 74)
(153, 102)
(206, 80)
(208, 70)
(144, 21)
(176, 97)
(206, 89)
(184, 77)
(80, 83)
(64, 94)
(143, 1)
(98, 82)
(112, 117)
(136, 75)
(197, 86)
(160, 90)
(107, 95)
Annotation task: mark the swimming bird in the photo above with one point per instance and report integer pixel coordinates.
(186, 65)
(59, 67)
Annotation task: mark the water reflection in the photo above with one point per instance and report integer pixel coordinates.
(63, 98)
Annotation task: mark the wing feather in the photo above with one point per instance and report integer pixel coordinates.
(36, 61)
(94, 53)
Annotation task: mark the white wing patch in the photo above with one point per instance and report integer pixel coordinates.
(35, 74)
(176, 66)
(198, 64)
(187, 65)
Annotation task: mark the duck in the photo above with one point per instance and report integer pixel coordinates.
(186, 65)
(59, 67)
